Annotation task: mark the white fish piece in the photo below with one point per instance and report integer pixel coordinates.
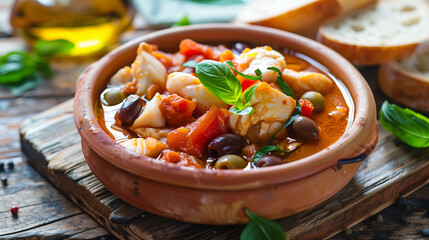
(151, 115)
(304, 81)
(261, 58)
(124, 75)
(145, 146)
(272, 109)
(158, 133)
(188, 86)
(146, 70)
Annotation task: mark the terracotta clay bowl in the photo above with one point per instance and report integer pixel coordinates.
(218, 197)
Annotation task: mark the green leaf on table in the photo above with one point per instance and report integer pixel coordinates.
(43, 67)
(250, 77)
(409, 126)
(219, 80)
(47, 48)
(182, 22)
(260, 228)
(265, 150)
(14, 67)
(28, 83)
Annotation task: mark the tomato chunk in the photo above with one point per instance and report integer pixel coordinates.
(194, 137)
(226, 56)
(177, 110)
(245, 83)
(191, 48)
(181, 159)
(306, 107)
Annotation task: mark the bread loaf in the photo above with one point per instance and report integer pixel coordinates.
(289, 15)
(381, 32)
(407, 81)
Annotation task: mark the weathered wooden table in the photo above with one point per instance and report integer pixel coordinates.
(44, 213)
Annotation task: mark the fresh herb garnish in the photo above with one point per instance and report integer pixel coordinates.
(296, 113)
(250, 77)
(265, 150)
(22, 71)
(219, 80)
(190, 63)
(182, 22)
(261, 228)
(409, 126)
(243, 107)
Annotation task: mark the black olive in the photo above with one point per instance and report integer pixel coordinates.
(239, 47)
(305, 129)
(227, 143)
(130, 110)
(269, 160)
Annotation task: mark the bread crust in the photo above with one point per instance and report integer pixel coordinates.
(370, 55)
(302, 18)
(404, 87)
(350, 5)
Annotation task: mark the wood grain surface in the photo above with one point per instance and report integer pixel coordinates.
(53, 147)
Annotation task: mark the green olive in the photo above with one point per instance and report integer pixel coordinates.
(316, 99)
(230, 161)
(113, 96)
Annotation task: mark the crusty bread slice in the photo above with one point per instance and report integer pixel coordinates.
(407, 81)
(289, 15)
(385, 31)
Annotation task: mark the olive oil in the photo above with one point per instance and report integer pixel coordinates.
(91, 25)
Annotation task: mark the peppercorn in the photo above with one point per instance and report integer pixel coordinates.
(4, 181)
(10, 165)
(14, 210)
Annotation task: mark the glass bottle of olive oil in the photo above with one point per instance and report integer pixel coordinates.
(91, 25)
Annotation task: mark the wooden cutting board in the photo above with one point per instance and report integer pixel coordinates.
(52, 145)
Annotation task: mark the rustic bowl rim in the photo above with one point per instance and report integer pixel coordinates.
(358, 138)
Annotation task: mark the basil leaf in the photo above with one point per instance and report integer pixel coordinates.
(190, 63)
(46, 48)
(282, 84)
(409, 126)
(265, 150)
(248, 95)
(260, 228)
(250, 77)
(182, 22)
(245, 111)
(43, 67)
(14, 72)
(29, 83)
(219, 80)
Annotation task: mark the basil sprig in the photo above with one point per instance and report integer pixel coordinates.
(22, 71)
(265, 150)
(409, 126)
(219, 80)
(261, 228)
(296, 113)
